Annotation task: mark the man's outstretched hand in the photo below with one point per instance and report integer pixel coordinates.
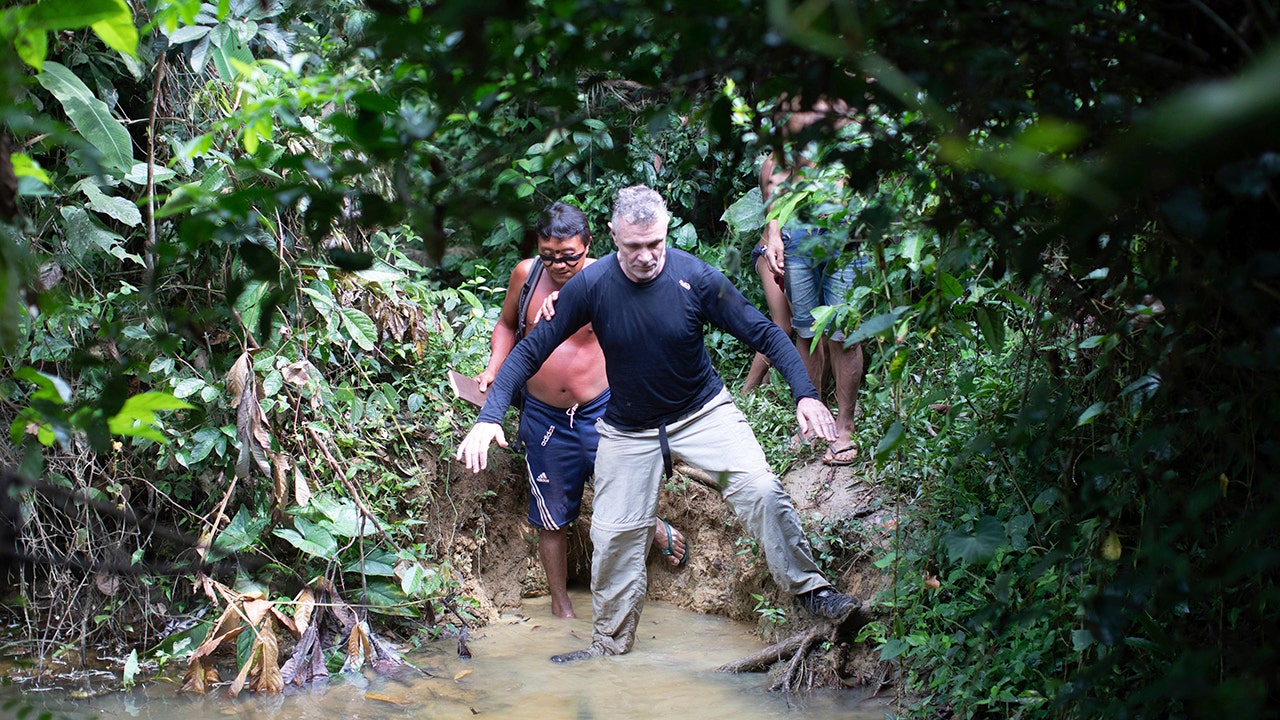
(814, 418)
(474, 450)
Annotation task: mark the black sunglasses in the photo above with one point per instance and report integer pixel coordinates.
(566, 259)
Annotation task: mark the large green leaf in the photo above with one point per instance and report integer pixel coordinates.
(310, 538)
(138, 174)
(118, 31)
(187, 34)
(230, 58)
(875, 325)
(82, 233)
(342, 517)
(74, 14)
(784, 207)
(893, 439)
(388, 599)
(376, 562)
(121, 209)
(747, 214)
(204, 441)
(977, 546)
(991, 322)
(24, 166)
(360, 328)
(51, 388)
(137, 417)
(90, 116)
(244, 530)
(32, 45)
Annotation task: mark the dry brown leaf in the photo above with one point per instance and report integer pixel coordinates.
(307, 662)
(399, 702)
(107, 584)
(280, 465)
(251, 430)
(341, 610)
(304, 605)
(283, 619)
(243, 676)
(263, 661)
(198, 678)
(385, 658)
(255, 610)
(297, 373)
(359, 649)
(241, 371)
(301, 490)
(268, 678)
(226, 628)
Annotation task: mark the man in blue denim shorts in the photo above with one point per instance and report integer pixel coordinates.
(815, 275)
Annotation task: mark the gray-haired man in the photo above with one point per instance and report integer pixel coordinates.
(648, 305)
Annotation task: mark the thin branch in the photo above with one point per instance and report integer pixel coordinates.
(356, 497)
(149, 250)
(1222, 24)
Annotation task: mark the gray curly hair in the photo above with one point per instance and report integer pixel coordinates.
(639, 205)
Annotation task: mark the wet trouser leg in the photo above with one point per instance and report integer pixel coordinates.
(717, 439)
(628, 476)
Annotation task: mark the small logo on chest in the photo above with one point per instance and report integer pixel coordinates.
(685, 284)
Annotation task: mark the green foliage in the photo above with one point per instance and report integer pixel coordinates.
(1066, 211)
(768, 613)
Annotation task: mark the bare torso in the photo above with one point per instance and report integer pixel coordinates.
(574, 373)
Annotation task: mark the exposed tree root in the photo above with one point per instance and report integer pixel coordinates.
(775, 653)
(801, 663)
(800, 672)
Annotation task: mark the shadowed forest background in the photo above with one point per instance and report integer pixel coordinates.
(240, 243)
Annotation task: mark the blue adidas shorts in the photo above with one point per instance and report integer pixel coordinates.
(560, 453)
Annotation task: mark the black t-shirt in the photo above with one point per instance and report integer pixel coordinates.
(652, 337)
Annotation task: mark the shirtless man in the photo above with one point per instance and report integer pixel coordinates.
(562, 401)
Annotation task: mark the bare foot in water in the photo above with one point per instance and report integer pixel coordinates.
(670, 542)
(562, 607)
(552, 550)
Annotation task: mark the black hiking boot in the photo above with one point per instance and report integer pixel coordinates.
(590, 651)
(829, 604)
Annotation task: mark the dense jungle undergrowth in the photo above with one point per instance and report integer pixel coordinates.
(241, 241)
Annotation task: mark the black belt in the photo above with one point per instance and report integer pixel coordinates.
(666, 451)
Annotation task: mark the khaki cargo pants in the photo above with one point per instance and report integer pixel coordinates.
(629, 466)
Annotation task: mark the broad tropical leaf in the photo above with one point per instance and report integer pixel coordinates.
(90, 116)
(360, 328)
(977, 546)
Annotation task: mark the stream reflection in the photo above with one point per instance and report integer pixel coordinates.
(669, 674)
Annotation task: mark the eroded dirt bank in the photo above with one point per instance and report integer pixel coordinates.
(495, 552)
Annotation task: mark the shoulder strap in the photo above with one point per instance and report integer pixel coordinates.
(526, 292)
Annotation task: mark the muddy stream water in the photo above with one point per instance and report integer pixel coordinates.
(669, 674)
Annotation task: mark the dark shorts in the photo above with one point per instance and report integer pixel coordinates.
(560, 453)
